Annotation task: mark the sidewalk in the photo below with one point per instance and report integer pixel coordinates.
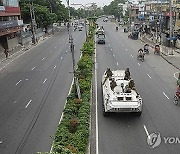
(171, 55)
(20, 49)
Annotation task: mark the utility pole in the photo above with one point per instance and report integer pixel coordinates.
(170, 15)
(130, 14)
(33, 22)
(171, 26)
(77, 89)
(160, 23)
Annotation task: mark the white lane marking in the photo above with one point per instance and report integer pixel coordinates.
(55, 47)
(33, 68)
(147, 132)
(97, 142)
(28, 103)
(61, 117)
(149, 76)
(45, 80)
(113, 55)
(165, 95)
(132, 56)
(138, 64)
(43, 58)
(117, 64)
(55, 66)
(61, 57)
(18, 82)
(175, 75)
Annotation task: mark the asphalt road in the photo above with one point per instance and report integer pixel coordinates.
(33, 90)
(154, 79)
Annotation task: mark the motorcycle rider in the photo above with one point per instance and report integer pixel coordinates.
(140, 52)
(146, 48)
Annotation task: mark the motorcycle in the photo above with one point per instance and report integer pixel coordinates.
(116, 28)
(157, 50)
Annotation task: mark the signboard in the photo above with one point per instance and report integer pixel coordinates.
(9, 24)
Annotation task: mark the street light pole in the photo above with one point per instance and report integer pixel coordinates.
(160, 23)
(170, 14)
(77, 89)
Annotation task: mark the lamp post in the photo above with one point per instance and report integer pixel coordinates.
(77, 89)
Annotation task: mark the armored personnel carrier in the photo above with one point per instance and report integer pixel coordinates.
(120, 94)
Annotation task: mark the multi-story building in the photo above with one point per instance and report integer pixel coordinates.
(10, 23)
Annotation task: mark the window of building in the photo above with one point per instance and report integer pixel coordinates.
(13, 3)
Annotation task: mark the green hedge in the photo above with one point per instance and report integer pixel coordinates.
(72, 135)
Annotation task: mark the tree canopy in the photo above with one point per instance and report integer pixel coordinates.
(46, 11)
(114, 8)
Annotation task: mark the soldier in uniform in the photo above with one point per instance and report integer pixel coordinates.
(108, 74)
(131, 84)
(127, 74)
(113, 84)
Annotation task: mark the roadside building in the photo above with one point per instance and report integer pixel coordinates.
(10, 23)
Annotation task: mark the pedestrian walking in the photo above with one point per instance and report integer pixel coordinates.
(6, 53)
